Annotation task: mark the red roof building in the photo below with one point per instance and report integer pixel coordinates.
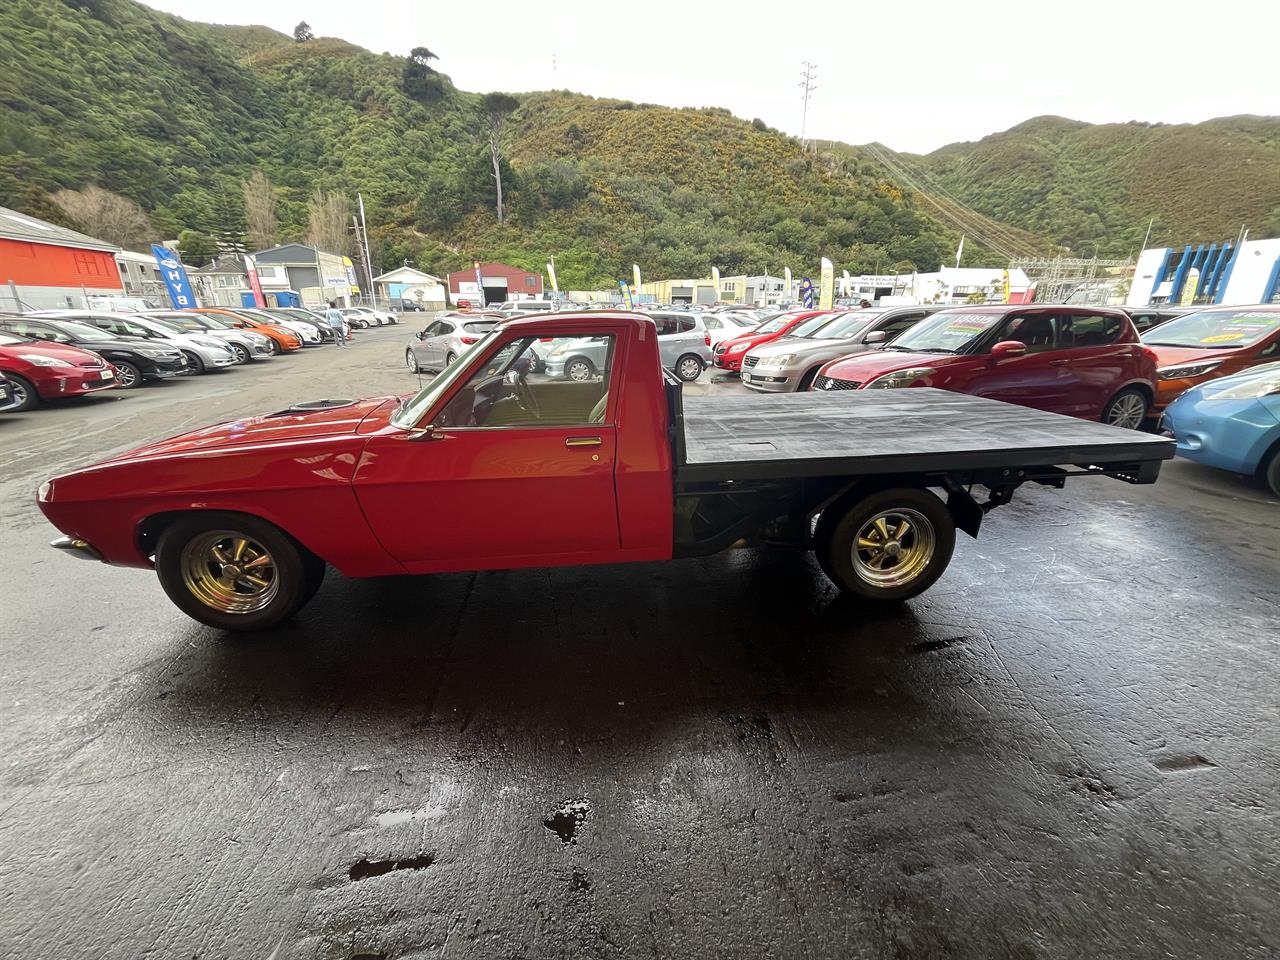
(500, 282)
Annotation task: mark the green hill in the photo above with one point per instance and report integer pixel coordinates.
(175, 115)
(1097, 186)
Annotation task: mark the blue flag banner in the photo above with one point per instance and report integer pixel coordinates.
(174, 275)
(806, 292)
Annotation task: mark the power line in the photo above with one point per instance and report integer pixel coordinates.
(807, 77)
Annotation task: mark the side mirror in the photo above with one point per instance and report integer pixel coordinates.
(875, 336)
(421, 334)
(1008, 348)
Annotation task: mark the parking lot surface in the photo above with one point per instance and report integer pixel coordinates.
(1066, 748)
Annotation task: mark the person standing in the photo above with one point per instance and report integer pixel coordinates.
(334, 316)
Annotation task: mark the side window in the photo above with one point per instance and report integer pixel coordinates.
(537, 382)
(1035, 330)
(439, 328)
(1144, 320)
(897, 325)
(1270, 351)
(1087, 330)
(666, 326)
(687, 324)
(712, 323)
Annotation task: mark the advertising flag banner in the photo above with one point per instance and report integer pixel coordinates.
(715, 281)
(806, 293)
(959, 251)
(786, 283)
(1005, 285)
(251, 271)
(175, 278)
(1190, 286)
(635, 275)
(479, 282)
(846, 286)
(626, 294)
(825, 294)
(551, 272)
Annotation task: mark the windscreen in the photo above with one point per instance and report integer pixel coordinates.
(82, 331)
(807, 328)
(950, 331)
(8, 339)
(1215, 329)
(847, 325)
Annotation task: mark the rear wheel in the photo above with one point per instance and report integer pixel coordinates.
(1126, 409)
(688, 368)
(130, 376)
(235, 572)
(24, 393)
(890, 545)
(195, 366)
(580, 369)
(449, 358)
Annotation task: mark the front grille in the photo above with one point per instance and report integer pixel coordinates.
(830, 383)
(750, 361)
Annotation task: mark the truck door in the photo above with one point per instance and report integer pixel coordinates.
(518, 470)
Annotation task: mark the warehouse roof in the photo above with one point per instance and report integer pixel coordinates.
(19, 226)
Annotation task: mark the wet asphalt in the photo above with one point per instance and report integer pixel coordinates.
(1067, 748)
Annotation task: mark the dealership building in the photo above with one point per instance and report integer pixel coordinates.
(1212, 273)
(44, 266)
(498, 282)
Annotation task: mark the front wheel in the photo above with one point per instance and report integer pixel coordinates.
(276, 349)
(688, 368)
(24, 393)
(235, 572)
(195, 366)
(411, 362)
(130, 376)
(890, 545)
(1271, 472)
(1127, 409)
(242, 354)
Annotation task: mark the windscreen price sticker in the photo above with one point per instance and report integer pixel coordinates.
(1223, 338)
(967, 324)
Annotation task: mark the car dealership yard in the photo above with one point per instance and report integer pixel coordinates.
(1066, 748)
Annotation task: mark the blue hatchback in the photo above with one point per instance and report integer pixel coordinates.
(1232, 423)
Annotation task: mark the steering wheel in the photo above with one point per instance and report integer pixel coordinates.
(526, 397)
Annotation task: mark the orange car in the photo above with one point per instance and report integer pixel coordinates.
(1209, 344)
(282, 338)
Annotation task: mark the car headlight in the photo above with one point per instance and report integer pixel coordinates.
(1252, 390)
(781, 360)
(40, 361)
(157, 354)
(901, 378)
(1185, 370)
(737, 348)
(208, 342)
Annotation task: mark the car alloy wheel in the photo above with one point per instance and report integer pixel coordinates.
(893, 547)
(229, 572)
(195, 366)
(242, 355)
(448, 360)
(24, 394)
(1127, 409)
(130, 376)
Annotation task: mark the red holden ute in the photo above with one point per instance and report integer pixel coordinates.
(1081, 361)
(729, 353)
(39, 370)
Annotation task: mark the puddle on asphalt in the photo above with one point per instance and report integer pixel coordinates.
(364, 869)
(568, 819)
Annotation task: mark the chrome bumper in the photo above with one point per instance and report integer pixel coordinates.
(77, 548)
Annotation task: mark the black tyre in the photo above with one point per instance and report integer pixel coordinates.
(128, 375)
(24, 393)
(276, 349)
(449, 358)
(1127, 409)
(195, 366)
(890, 545)
(411, 362)
(235, 572)
(242, 354)
(1270, 471)
(580, 369)
(806, 381)
(689, 368)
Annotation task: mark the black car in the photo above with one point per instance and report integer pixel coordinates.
(135, 360)
(1144, 318)
(7, 397)
(409, 306)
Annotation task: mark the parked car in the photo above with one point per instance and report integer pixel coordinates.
(306, 330)
(135, 361)
(682, 345)
(792, 362)
(203, 352)
(723, 326)
(36, 370)
(486, 468)
(444, 340)
(371, 317)
(1232, 423)
(246, 345)
(408, 305)
(1144, 318)
(1082, 361)
(729, 353)
(510, 308)
(296, 315)
(1211, 343)
(283, 340)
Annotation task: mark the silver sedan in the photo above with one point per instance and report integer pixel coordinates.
(444, 340)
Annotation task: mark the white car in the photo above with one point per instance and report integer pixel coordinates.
(722, 326)
(309, 334)
(375, 318)
(203, 353)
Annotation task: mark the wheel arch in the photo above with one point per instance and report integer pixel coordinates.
(151, 528)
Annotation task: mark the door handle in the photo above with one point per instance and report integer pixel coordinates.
(582, 441)
(1057, 363)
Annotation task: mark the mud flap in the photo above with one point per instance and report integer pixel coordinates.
(965, 511)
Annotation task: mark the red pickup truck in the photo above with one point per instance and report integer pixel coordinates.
(241, 519)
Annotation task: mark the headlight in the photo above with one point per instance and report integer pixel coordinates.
(1185, 370)
(157, 354)
(779, 361)
(208, 342)
(737, 348)
(40, 361)
(901, 378)
(1252, 390)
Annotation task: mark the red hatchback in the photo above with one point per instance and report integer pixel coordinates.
(40, 370)
(728, 353)
(1082, 361)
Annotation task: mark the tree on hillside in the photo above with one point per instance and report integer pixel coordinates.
(196, 248)
(495, 108)
(107, 216)
(302, 32)
(39, 203)
(327, 216)
(226, 219)
(260, 211)
(419, 81)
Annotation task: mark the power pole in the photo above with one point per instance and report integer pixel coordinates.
(368, 264)
(808, 76)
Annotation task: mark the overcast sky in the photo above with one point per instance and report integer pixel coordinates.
(913, 75)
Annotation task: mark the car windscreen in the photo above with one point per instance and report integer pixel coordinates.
(810, 327)
(8, 339)
(82, 331)
(1215, 329)
(772, 326)
(412, 409)
(847, 325)
(948, 331)
(178, 326)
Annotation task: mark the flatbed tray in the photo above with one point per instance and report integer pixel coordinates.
(913, 430)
